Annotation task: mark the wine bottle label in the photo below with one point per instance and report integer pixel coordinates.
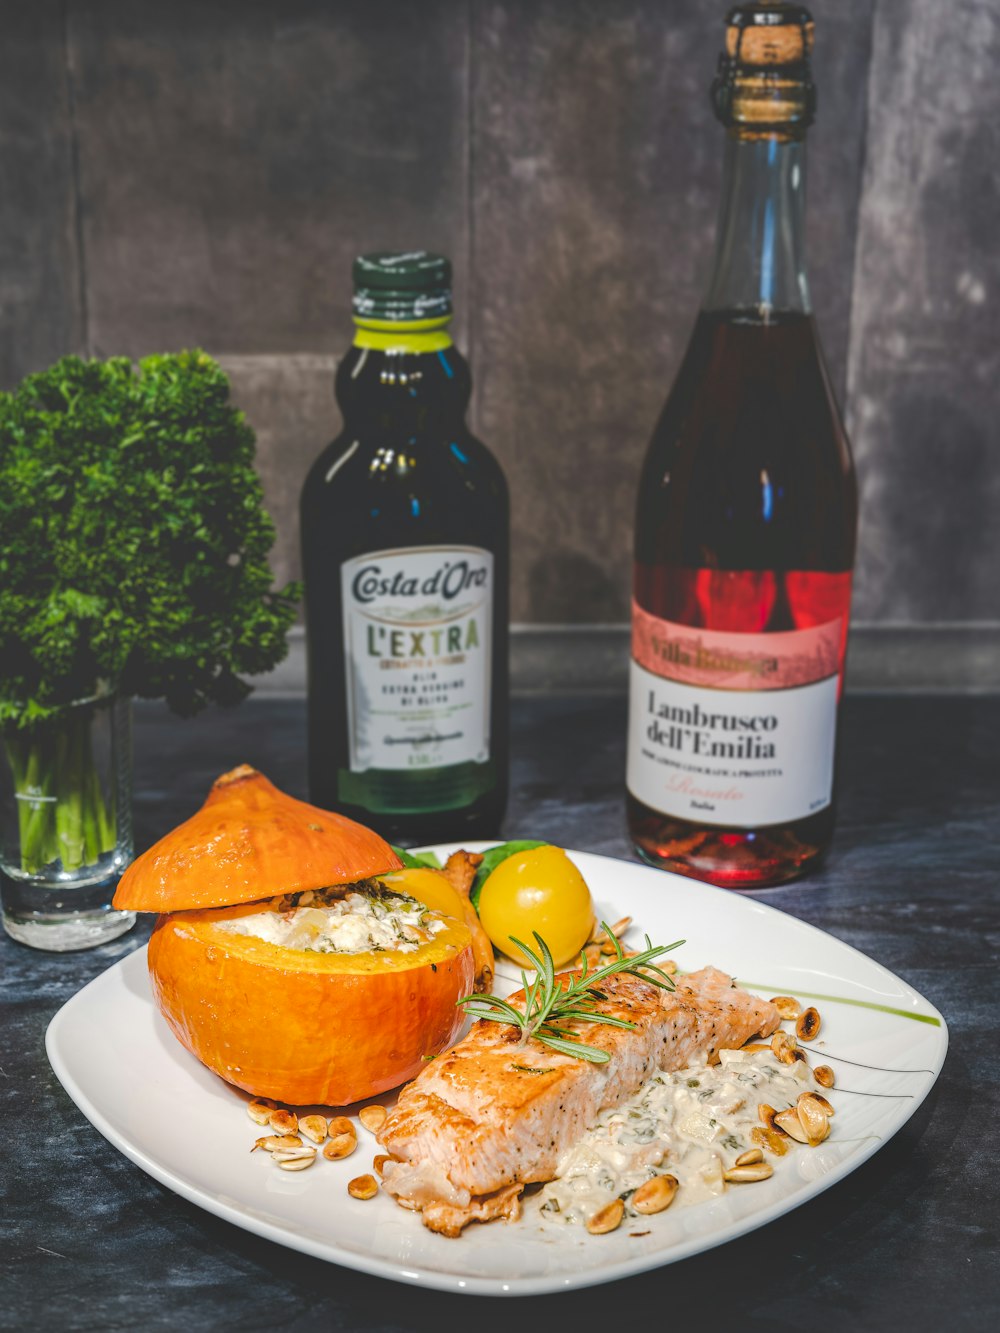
(417, 625)
(732, 729)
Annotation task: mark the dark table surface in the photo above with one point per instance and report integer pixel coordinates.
(908, 1241)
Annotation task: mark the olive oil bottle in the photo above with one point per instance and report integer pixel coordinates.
(405, 551)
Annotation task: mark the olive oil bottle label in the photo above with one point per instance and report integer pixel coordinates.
(729, 728)
(417, 641)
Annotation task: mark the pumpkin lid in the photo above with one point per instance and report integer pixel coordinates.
(250, 841)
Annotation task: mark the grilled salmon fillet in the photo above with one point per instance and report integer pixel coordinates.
(491, 1116)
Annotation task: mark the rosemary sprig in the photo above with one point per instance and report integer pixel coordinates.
(551, 1002)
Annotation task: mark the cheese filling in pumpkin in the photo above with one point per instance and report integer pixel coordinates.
(363, 918)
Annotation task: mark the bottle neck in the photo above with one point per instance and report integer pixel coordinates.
(416, 337)
(403, 377)
(760, 261)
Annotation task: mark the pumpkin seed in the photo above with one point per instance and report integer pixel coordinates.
(827, 1106)
(293, 1154)
(813, 1118)
(783, 1045)
(341, 1124)
(808, 1024)
(260, 1111)
(373, 1117)
(313, 1127)
(299, 1163)
(746, 1175)
(608, 1218)
(340, 1145)
(380, 1161)
(749, 1157)
(283, 1122)
(789, 1121)
(653, 1196)
(824, 1076)
(362, 1187)
(787, 1006)
(276, 1142)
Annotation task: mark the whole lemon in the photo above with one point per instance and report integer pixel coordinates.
(539, 890)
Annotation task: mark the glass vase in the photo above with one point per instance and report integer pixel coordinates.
(66, 824)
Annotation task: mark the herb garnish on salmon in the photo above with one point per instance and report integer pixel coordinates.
(551, 1001)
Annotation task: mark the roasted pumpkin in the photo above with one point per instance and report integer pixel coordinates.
(247, 842)
(304, 1025)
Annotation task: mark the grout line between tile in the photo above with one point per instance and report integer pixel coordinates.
(471, 329)
(74, 155)
(856, 249)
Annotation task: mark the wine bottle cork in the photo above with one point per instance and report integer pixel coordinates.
(764, 81)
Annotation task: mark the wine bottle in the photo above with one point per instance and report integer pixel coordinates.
(405, 552)
(746, 518)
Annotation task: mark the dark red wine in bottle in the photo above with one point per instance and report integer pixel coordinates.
(746, 518)
(405, 550)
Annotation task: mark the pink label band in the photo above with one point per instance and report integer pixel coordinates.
(725, 661)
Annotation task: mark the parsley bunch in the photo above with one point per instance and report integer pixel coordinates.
(133, 544)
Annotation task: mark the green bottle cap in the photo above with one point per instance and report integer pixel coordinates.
(402, 288)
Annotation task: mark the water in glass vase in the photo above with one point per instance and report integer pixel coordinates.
(745, 523)
(405, 553)
(66, 824)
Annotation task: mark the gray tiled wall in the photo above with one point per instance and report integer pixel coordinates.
(924, 380)
(203, 173)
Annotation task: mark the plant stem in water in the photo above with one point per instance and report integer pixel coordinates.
(62, 813)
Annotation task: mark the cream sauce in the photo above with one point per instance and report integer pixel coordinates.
(692, 1124)
(354, 923)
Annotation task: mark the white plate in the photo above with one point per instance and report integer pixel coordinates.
(118, 1061)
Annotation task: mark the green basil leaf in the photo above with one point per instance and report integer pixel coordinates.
(418, 860)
